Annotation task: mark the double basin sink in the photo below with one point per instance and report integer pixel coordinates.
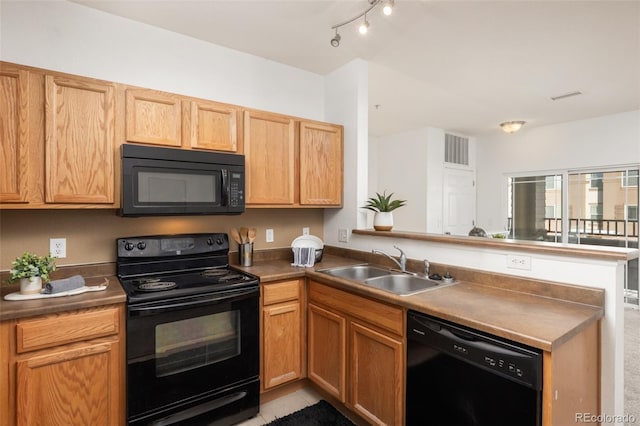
(400, 283)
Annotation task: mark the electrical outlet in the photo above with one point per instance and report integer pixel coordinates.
(305, 230)
(269, 235)
(519, 262)
(58, 247)
(343, 235)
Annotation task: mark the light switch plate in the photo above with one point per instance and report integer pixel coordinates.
(269, 235)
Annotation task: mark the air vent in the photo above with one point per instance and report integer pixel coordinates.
(456, 149)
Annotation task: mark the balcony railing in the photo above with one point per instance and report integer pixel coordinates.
(595, 227)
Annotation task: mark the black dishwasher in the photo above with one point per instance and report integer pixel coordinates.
(457, 376)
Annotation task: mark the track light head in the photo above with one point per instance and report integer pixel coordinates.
(335, 41)
(388, 8)
(364, 27)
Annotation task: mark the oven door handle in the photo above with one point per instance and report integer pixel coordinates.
(178, 305)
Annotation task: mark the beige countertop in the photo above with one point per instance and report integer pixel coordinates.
(29, 308)
(539, 321)
(533, 319)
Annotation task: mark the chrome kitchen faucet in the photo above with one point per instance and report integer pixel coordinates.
(403, 258)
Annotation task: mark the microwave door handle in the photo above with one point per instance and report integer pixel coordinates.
(225, 187)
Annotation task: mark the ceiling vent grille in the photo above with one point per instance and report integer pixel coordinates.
(456, 149)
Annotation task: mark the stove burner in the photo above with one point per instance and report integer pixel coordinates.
(211, 273)
(145, 280)
(155, 285)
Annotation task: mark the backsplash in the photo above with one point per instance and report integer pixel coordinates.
(91, 234)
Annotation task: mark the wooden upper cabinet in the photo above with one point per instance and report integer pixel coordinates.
(321, 160)
(153, 117)
(14, 132)
(80, 140)
(210, 125)
(269, 149)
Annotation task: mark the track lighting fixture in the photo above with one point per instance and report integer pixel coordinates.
(387, 9)
(335, 41)
(364, 27)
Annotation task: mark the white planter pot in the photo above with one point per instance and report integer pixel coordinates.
(383, 221)
(31, 285)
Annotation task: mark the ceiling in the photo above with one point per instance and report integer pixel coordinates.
(464, 66)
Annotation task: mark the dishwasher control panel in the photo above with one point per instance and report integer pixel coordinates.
(519, 363)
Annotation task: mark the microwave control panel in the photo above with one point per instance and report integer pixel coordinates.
(236, 189)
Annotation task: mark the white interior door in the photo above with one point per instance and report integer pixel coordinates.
(459, 194)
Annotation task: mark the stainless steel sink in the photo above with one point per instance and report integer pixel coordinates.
(404, 285)
(357, 272)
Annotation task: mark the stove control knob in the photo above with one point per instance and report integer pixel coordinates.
(219, 241)
(129, 246)
(209, 241)
(142, 245)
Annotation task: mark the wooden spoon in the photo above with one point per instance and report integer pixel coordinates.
(236, 235)
(252, 235)
(244, 235)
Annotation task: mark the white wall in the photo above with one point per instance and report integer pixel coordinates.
(401, 168)
(347, 102)
(69, 37)
(411, 164)
(603, 141)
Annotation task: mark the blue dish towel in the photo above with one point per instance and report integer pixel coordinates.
(58, 286)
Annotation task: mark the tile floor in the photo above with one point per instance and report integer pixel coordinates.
(282, 406)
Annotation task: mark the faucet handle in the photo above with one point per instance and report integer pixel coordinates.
(399, 249)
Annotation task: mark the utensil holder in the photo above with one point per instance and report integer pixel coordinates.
(245, 254)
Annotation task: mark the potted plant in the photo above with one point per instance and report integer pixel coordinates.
(383, 205)
(32, 270)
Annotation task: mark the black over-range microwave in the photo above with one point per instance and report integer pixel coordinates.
(167, 181)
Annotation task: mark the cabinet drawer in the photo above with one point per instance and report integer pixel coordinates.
(380, 314)
(280, 292)
(55, 330)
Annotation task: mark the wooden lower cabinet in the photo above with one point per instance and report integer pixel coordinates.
(282, 333)
(377, 371)
(327, 343)
(64, 369)
(354, 355)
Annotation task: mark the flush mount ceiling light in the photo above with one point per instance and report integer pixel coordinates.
(512, 126)
(364, 27)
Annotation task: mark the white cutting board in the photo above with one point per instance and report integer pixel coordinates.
(80, 290)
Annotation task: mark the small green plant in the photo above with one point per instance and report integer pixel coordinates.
(383, 203)
(31, 265)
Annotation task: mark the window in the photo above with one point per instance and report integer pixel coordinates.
(601, 208)
(595, 181)
(630, 179)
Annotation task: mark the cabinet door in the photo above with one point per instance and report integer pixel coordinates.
(282, 355)
(321, 159)
(212, 126)
(327, 350)
(74, 386)
(80, 141)
(153, 117)
(376, 367)
(14, 110)
(269, 149)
